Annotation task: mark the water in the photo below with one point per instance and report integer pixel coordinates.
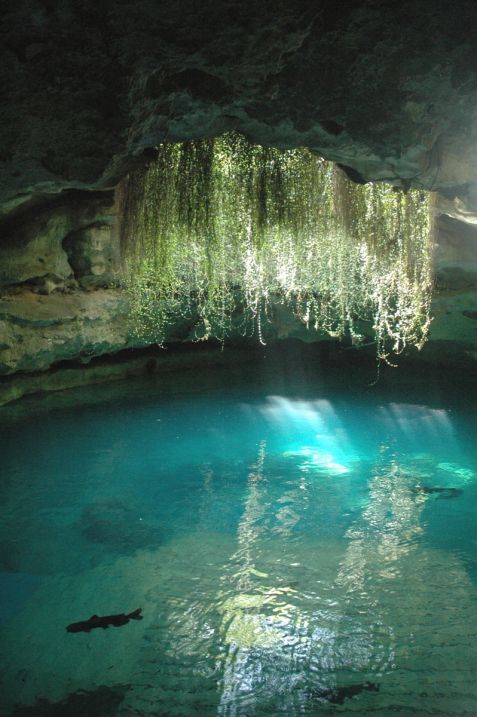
(281, 536)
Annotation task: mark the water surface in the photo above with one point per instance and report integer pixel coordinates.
(299, 543)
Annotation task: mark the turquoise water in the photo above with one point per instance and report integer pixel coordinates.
(284, 538)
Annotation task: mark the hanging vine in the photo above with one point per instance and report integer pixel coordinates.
(216, 225)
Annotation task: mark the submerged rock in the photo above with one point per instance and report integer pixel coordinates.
(118, 526)
(464, 474)
(338, 695)
(440, 492)
(102, 701)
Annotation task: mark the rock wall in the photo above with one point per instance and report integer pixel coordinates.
(454, 306)
(57, 299)
(388, 89)
(60, 300)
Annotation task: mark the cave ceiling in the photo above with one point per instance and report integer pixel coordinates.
(387, 89)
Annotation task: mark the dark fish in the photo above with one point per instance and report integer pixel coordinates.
(337, 695)
(104, 622)
(443, 492)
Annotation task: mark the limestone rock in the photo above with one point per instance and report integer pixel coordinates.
(92, 256)
(455, 259)
(43, 255)
(67, 308)
(387, 89)
(37, 331)
(31, 246)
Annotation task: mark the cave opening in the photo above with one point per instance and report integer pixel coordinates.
(220, 231)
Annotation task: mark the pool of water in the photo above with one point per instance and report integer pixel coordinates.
(297, 547)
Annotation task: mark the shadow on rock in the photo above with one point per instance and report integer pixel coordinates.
(439, 492)
(104, 702)
(118, 526)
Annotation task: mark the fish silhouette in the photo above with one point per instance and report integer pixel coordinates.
(104, 622)
(337, 695)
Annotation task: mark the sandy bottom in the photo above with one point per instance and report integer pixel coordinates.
(231, 632)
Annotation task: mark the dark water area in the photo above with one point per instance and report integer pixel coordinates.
(300, 542)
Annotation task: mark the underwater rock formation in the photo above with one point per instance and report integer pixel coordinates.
(339, 695)
(438, 491)
(102, 701)
(118, 526)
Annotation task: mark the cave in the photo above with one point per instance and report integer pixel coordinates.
(238, 336)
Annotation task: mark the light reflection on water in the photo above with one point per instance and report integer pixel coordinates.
(291, 555)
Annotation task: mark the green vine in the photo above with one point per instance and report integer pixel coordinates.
(216, 225)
